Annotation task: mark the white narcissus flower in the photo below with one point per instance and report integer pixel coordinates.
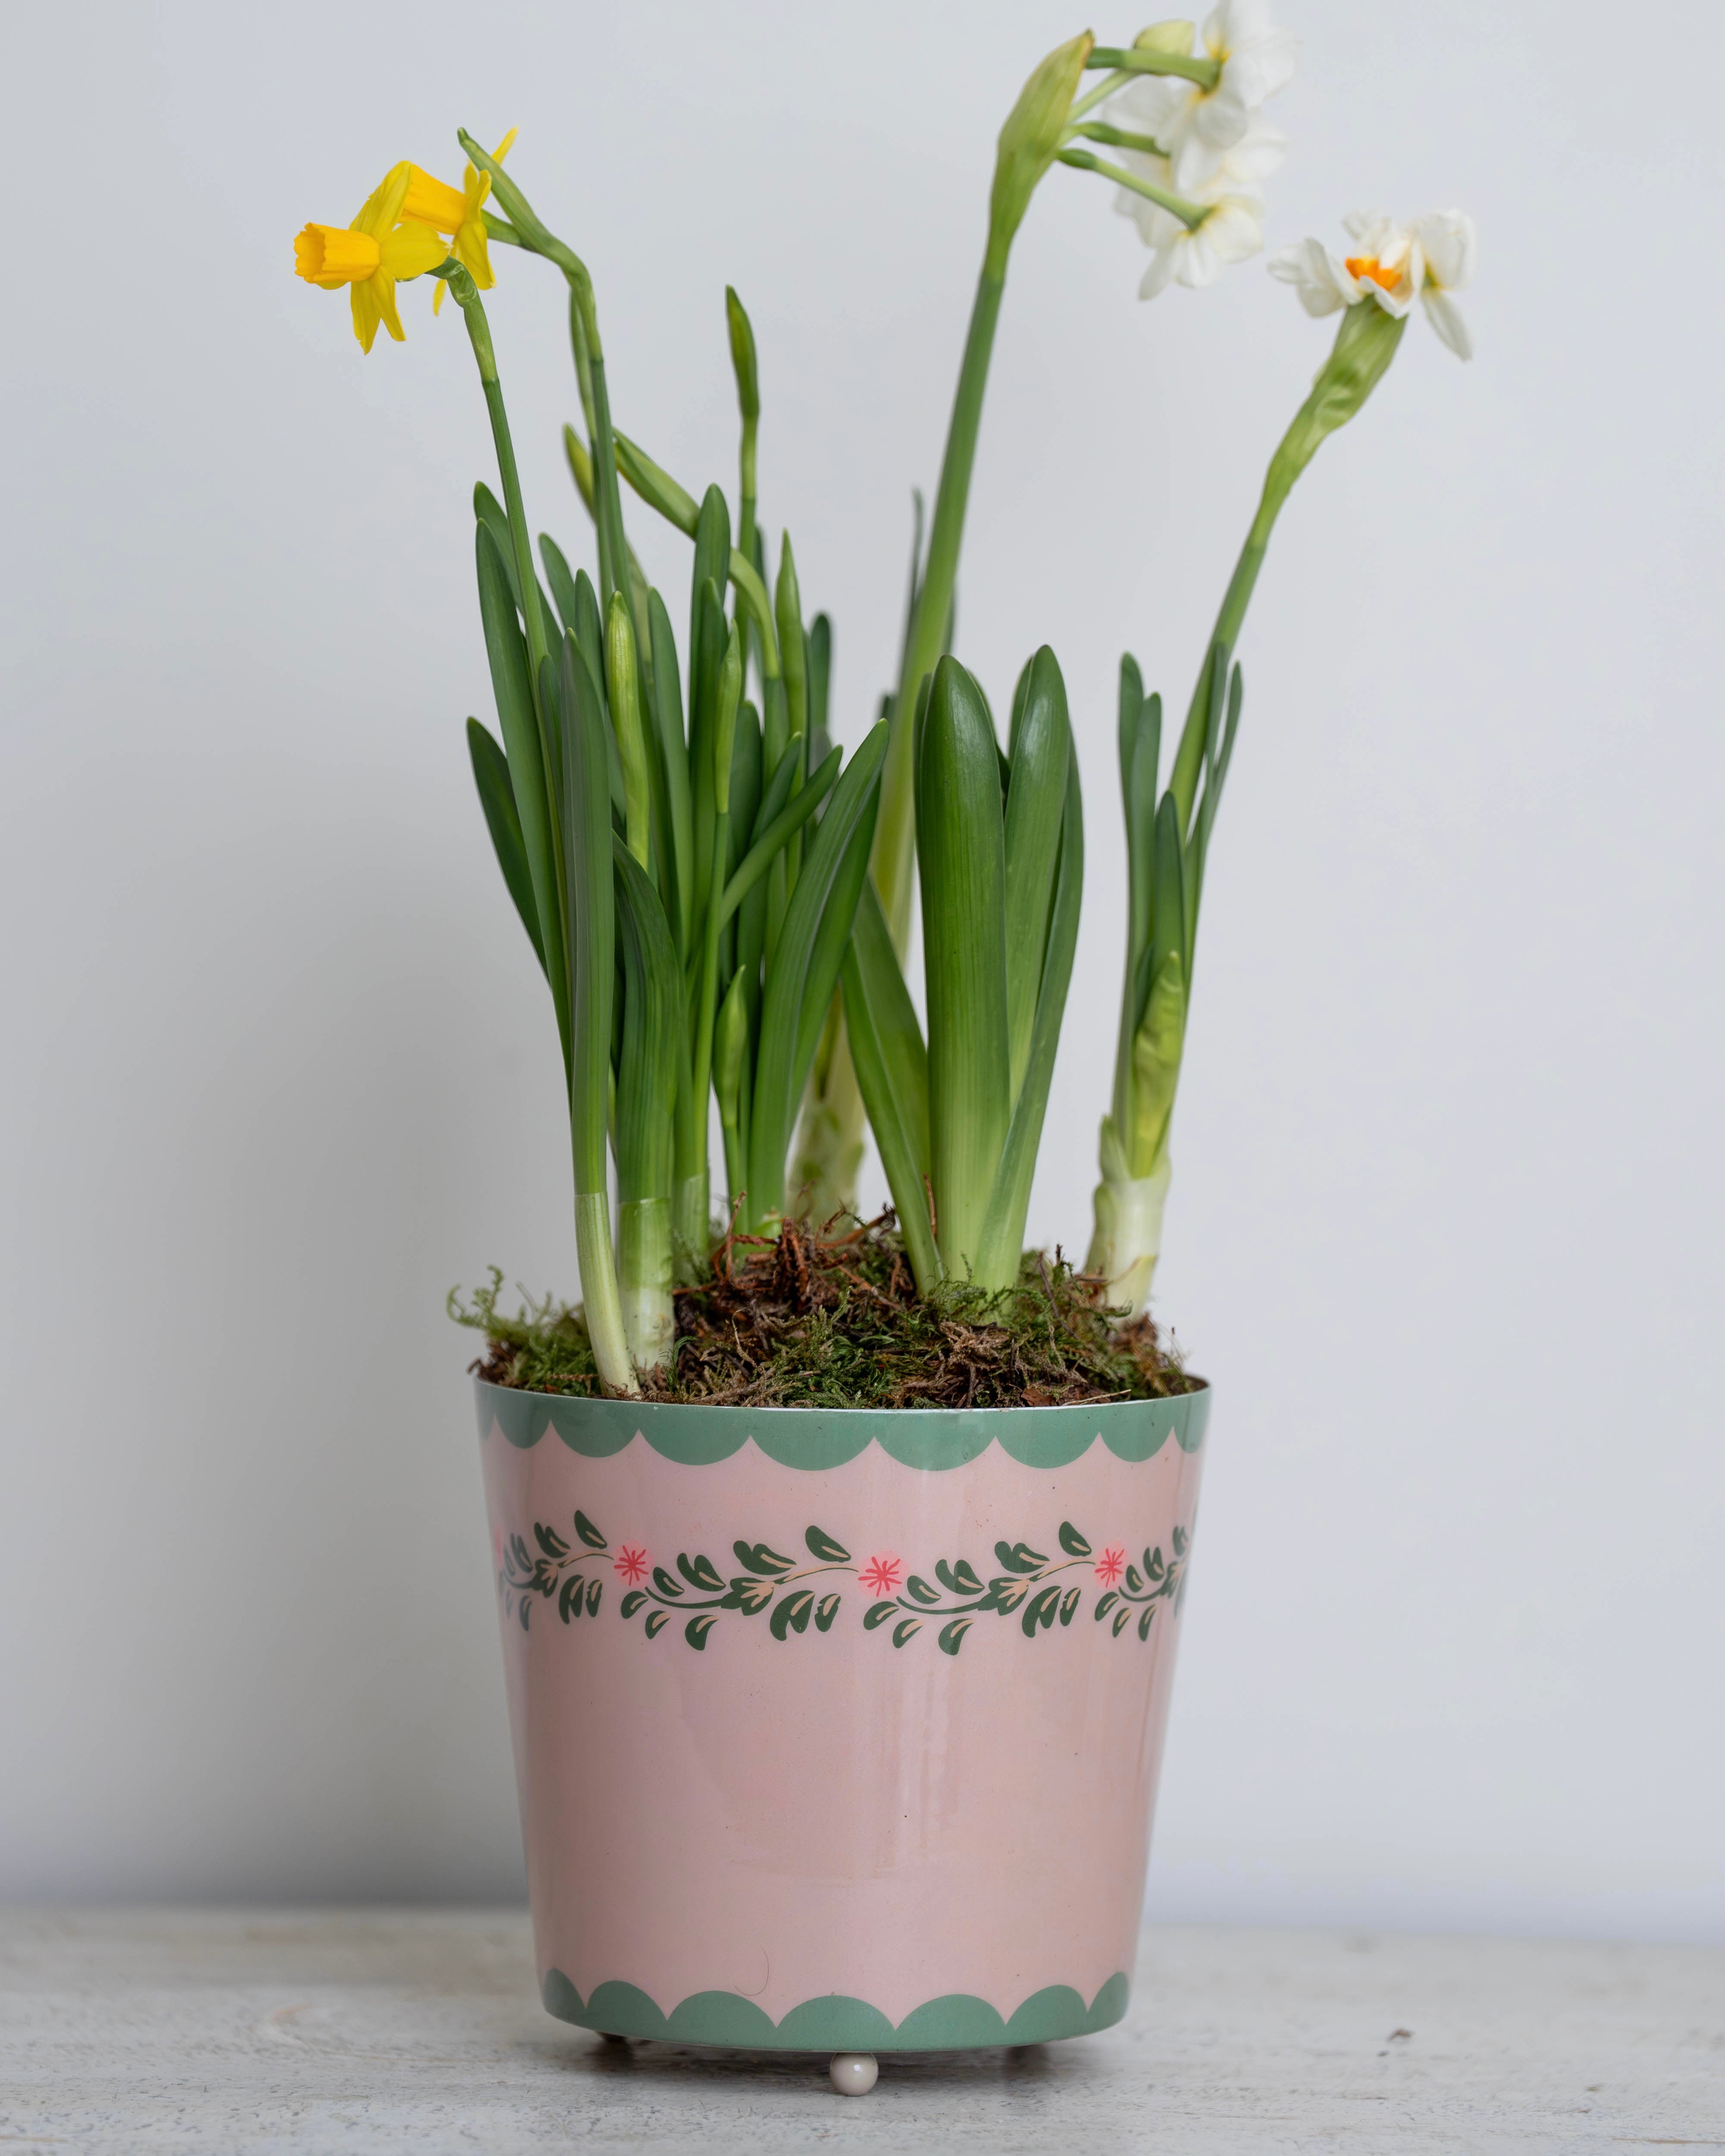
(1196, 127)
(1391, 263)
(1234, 229)
(1381, 269)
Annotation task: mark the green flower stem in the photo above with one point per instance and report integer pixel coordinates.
(537, 239)
(707, 986)
(1138, 59)
(558, 966)
(1088, 103)
(1119, 138)
(584, 366)
(479, 331)
(612, 542)
(1128, 1208)
(1028, 144)
(1188, 762)
(1191, 214)
(1366, 343)
(677, 505)
(894, 836)
(581, 471)
(747, 369)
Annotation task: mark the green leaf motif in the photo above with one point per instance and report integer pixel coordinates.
(1144, 1622)
(1019, 1556)
(825, 1548)
(751, 1596)
(826, 1609)
(595, 1588)
(1152, 1564)
(569, 1603)
(671, 1589)
(696, 1630)
(919, 1590)
(1122, 1618)
(589, 1533)
(907, 1630)
(553, 1544)
(761, 1558)
(526, 1612)
(633, 1600)
(1132, 1579)
(1106, 1604)
(1039, 1610)
(1181, 1541)
(699, 1571)
(657, 1620)
(793, 1611)
(882, 1613)
(1006, 1594)
(958, 1579)
(1068, 1604)
(1072, 1542)
(952, 1636)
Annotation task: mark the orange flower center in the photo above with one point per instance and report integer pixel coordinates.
(1368, 265)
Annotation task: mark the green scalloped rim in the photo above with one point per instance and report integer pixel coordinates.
(815, 1438)
(958, 2022)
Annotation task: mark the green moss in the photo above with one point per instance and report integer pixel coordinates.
(835, 1321)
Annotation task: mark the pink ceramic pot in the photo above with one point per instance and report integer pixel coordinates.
(837, 1731)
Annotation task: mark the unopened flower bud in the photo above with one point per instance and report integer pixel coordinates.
(1030, 140)
(1175, 38)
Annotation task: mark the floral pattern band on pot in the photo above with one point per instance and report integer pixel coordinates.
(837, 1731)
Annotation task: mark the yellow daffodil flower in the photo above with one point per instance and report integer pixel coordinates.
(370, 255)
(458, 211)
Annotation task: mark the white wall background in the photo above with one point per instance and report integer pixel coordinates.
(277, 1069)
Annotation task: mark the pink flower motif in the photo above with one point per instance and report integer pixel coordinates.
(1110, 1565)
(631, 1563)
(880, 1575)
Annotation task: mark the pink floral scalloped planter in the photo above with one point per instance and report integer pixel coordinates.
(855, 1754)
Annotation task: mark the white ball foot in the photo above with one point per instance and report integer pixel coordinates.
(853, 2073)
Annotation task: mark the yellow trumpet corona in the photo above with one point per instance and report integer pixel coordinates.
(458, 211)
(370, 255)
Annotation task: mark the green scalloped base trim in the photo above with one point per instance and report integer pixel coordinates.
(956, 2023)
(816, 1438)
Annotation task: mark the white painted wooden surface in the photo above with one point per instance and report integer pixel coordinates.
(356, 2031)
